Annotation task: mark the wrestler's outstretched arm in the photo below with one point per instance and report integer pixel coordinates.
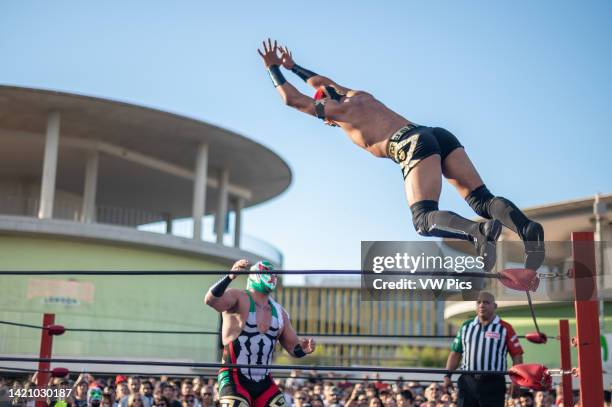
(219, 296)
(295, 346)
(290, 95)
(313, 79)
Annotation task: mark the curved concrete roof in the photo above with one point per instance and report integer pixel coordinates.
(163, 136)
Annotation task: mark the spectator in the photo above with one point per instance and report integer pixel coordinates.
(207, 396)
(146, 390)
(542, 399)
(415, 388)
(433, 392)
(161, 402)
(197, 383)
(165, 390)
(123, 393)
(333, 396)
(404, 399)
(526, 399)
(94, 397)
(375, 402)
(294, 381)
(357, 396)
(135, 400)
(316, 402)
(300, 398)
(80, 390)
(4, 395)
(135, 385)
(110, 392)
(188, 400)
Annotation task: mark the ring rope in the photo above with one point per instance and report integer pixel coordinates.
(151, 331)
(418, 273)
(247, 366)
(214, 375)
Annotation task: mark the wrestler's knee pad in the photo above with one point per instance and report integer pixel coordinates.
(479, 200)
(277, 401)
(233, 401)
(420, 220)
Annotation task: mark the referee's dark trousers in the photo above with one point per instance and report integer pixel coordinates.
(481, 390)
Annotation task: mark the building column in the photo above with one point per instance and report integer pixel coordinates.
(199, 190)
(238, 204)
(88, 210)
(222, 204)
(47, 188)
(168, 222)
(600, 211)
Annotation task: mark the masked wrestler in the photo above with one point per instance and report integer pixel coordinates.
(252, 324)
(424, 154)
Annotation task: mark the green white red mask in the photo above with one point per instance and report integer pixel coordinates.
(262, 279)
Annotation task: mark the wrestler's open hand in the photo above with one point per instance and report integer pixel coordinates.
(287, 57)
(240, 266)
(269, 55)
(308, 345)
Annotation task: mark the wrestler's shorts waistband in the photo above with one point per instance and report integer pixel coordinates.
(392, 150)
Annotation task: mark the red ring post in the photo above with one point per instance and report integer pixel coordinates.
(46, 348)
(566, 362)
(587, 320)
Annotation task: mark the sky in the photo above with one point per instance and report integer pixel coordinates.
(524, 85)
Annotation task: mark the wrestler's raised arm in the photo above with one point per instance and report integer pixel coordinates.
(290, 95)
(219, 296)
(313, 79)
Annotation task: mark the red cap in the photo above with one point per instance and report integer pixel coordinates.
(120, 379)
(59, 372)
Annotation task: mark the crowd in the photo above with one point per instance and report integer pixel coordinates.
(299, 391)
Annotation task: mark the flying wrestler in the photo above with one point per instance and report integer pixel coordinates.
(423, 153)
(252, 323)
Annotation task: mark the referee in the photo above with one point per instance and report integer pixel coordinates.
(483, 343)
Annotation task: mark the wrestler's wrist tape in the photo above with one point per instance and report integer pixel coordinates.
(276, 75)
(298, 352)
(220, 286)
(303, 73)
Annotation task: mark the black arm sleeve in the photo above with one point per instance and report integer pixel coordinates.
(298, 352)
(220, 286)
(276, 75)
(303, 73)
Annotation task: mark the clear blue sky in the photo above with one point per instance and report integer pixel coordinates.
(524, 85)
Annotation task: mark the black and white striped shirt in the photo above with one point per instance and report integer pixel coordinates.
(485, 347)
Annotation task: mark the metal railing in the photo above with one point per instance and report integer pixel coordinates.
(145, 221)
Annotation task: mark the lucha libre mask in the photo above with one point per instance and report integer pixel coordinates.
(261, 278)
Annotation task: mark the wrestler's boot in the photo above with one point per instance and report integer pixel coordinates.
(485, 240)
(502, 209)
(533, 239)
(429, 221)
